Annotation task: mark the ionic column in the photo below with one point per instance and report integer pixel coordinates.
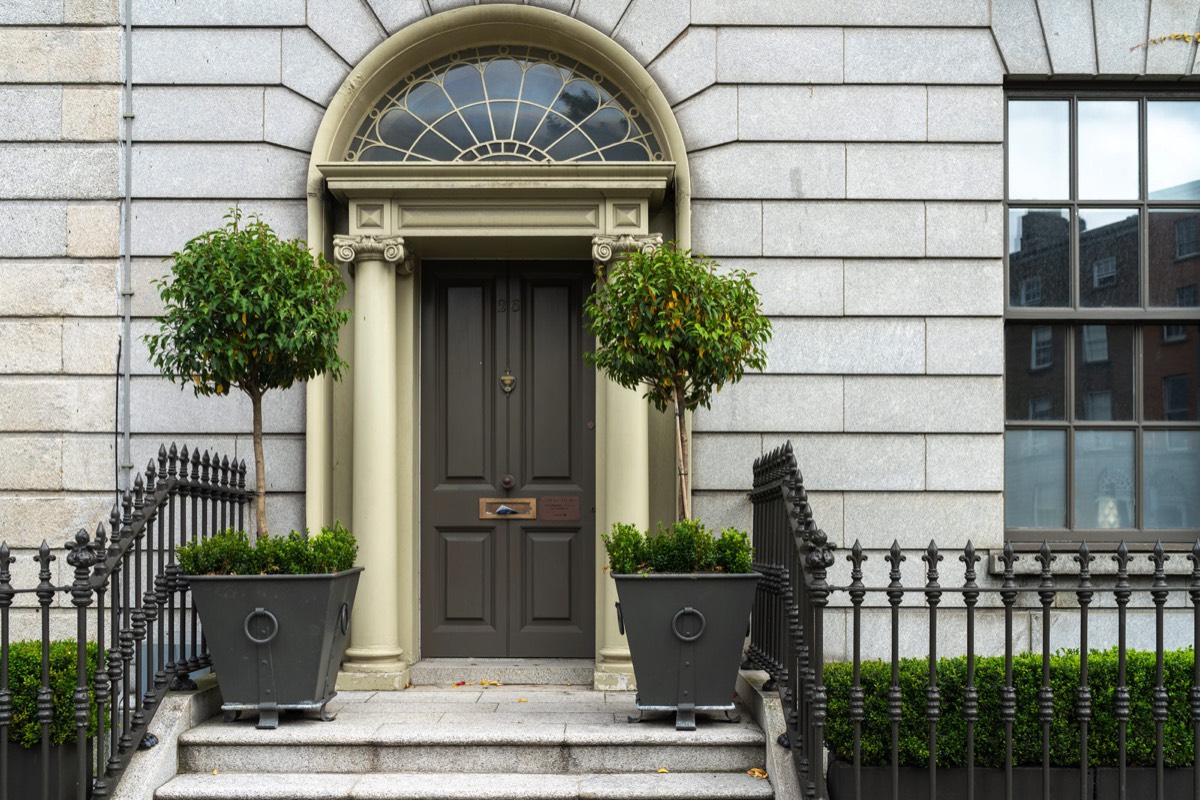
(626, 471)
(375, 636)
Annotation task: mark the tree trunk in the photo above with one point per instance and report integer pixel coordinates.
(681, 450)
(260, 474)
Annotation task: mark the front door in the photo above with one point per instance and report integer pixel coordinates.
(508, 417)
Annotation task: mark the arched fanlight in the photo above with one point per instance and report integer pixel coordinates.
(504, 103)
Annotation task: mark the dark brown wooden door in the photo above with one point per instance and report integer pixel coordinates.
(507, 587)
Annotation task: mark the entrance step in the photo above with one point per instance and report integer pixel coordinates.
(536, 742)
(509, 671)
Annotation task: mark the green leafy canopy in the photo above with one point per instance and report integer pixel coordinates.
(668, 321)
(245, 309)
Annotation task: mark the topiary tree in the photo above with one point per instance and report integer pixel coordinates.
(247, 310)
(669, 322)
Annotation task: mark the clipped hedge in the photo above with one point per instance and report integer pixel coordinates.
(1027, 729)
(230, 553)
(25, 681)
(685, 547)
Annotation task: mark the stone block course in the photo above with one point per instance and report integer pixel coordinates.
(438, 6)
(810, 287)
(31, 12)
(648, 26)
(769, 170)
(89, 346)
(26, 518)
(30, 113)
(966, 114)
(310, 66)
(91, 114)
(30, 346)
(167, 409)
(709, 118)
(924, 404)
(1169, 59)
(964, 230)
(253, 13)
(849, 229)
(54, 288)
(603, 15)
(284, 457)
(925, 55)
(54, 172)
(60, 55)
(50, 404)
(33, 229)
(925, 287)
(847, 12)
(93, 229)
(722, 228)
(289, 119)
(964, 346)
(1116, 21)
(688, 66)
(875, 518)
(1070, 36)
(964, 463)
(395, 14)
(161, 227)
(847, 346)
(1019, 34)
(91, 12)
(206, 56)
(832, 113)
(197, 114)
(860, 462)
(89, 462)
(779, 55)
(348, 26)
(924, 171)
(775, 403)
(218, 170)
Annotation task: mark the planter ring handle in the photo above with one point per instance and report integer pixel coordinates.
(344, 618)
(260, 612)
(675, 624)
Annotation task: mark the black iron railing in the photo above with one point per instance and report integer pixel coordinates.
(795, 598)
(132, 602)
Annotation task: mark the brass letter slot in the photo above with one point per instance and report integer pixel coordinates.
(508, 508)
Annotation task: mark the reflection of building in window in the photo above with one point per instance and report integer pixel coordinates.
(1187, 237)
(1095, 343)
(1031, 290)
(1174, 333)
(1175, 397)
(1098, 405)
(1041, 355)
(1041, 407)
(1185, 296)
(1104, 273)
(1167, 501)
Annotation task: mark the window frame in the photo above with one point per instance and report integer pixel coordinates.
(1140, 317)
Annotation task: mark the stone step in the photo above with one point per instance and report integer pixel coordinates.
(460, 786)
(518, 671)
(487, 745)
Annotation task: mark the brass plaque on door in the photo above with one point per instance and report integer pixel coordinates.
(508, 508)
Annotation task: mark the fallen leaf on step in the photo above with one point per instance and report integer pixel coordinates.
(663, 769)
(490, 683)
(522, 700)
(761, 774)
(215, 771)
(459, 683)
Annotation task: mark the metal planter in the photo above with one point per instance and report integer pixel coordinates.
(685, 637)
(24, 777)
(276, 640)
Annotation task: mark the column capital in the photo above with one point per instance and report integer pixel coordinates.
(607, 248)
(390, 249)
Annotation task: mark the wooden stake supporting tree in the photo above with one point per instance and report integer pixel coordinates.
(669, 322)
(247, 310)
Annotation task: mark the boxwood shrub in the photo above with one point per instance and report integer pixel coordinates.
(1027, 729)
(25, 680)
(685, 547)
(231, 553)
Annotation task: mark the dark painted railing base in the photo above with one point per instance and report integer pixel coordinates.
(25, 772)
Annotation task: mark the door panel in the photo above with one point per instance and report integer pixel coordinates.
(519, 588)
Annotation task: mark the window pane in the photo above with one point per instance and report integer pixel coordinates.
(1104, 479)
(1035, 479)
(1173, 144)
(1035, 371)
(1172, 473)
(1108, 150)
(1170, 356)
(1108, 257)
(1038, 150)
(1039, 257)
(1104, 372)
(1174, 254)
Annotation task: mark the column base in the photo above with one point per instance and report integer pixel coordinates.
(614, 671)
(351, 680)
